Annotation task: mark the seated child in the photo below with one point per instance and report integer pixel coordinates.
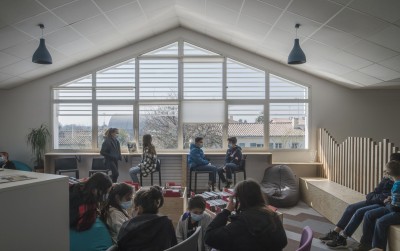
(193, 218)
(115, 211)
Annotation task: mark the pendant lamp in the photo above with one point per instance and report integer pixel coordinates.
(297, 55)
(42, 55)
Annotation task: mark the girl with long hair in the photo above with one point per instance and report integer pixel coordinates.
(149, 160)
(111, 150)
(115, 211)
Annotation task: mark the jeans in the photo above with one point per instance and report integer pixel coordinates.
(133, 172)
(357, 219)
(376, 226)
(212, 168)
(229, 168)
(349, 212)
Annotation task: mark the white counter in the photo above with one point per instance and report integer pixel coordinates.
(34, 213)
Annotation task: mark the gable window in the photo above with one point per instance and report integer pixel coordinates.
(176, 93)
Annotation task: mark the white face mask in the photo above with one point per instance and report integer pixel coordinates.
(126, 204)
(196, 217)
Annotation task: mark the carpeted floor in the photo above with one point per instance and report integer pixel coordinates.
(295, 218)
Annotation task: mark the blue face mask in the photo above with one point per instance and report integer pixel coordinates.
(200, 145)
(196, 217)
(1, 159)
(229, 146)
(126, 204)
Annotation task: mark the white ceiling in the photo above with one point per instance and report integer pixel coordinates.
(351, 42)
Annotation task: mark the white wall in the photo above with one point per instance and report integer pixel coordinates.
(344, 112)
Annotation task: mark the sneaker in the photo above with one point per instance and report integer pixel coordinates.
(362, 247)
(329, 236)
(210, 186)
(339, 242)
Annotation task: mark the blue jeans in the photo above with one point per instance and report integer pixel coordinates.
(349, 212)
(376, 226)
(229, 168)
(211, 176)
(133, 172)
(357, 218)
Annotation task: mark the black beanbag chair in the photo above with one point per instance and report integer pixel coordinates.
(280, 186)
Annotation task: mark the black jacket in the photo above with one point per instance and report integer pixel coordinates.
(111, 149)
(8, 165)
(252, 229)
(232, 154)
(381, 192)
(147, 232)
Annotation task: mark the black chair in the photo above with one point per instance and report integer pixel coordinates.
(158, 169)
(242, 169)
(98, 166)
(66, 165)
(190, 243)
(196, 172)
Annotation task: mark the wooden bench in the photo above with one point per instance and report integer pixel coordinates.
(330, 199)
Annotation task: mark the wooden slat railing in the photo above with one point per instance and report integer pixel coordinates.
(357, 163)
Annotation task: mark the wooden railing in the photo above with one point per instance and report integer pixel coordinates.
(357, 163)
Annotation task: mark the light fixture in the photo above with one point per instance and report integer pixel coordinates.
(42, 55)
(297, 55)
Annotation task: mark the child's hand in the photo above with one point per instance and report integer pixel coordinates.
(231, 205)
(388, 200)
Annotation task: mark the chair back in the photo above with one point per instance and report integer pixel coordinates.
(98, 164)
(65, 164)
(158, 165)
(242, 165)
(306, 239)
(188, 244)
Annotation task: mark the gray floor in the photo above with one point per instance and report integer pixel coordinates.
(296, 218)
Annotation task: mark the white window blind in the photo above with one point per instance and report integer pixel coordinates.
(202, 80)
(116, 82)
(192, 50)
(158, 79)
(80, 89)
(203, 112)
(281, 88)
(244, 82)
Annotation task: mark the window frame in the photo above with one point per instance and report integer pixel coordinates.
(137, 102)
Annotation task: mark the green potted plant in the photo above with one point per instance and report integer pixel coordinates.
(37, 139)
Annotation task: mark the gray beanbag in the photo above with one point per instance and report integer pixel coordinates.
(280, 186)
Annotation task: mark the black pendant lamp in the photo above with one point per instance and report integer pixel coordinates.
(297, 55)
(42, 55)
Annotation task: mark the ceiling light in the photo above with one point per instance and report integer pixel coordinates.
(297, 55)
(42, 55)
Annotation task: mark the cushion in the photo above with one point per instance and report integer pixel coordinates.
(280, 186)
(97, 238)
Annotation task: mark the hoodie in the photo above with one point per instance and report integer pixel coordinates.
(252, 229)
(147, 232)
(381, 192)
(196, 156)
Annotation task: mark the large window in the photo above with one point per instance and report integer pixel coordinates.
(176, 93)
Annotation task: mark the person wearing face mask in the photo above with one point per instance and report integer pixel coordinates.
(5, 162)
(111, 150)
(254, 226)
(198, 161)
(232, 161)
(87, 231)
(115, 211)
(195, 217)
(147, 230)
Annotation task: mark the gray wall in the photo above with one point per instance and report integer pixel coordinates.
(343, 111)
